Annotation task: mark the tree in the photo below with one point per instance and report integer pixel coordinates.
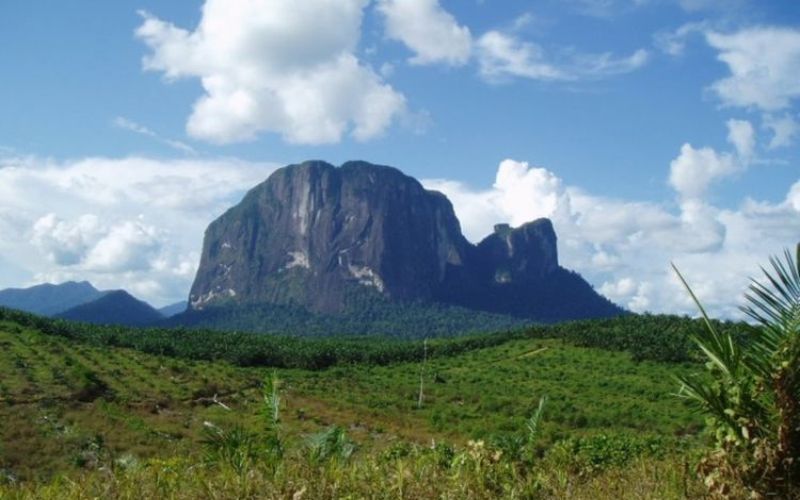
(752, 393)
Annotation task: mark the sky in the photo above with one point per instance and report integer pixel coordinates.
(649, 131)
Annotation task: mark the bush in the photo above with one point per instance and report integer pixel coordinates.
(753, 395)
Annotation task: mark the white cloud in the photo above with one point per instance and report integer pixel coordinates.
(521, 193)
(126, 246)
(276, 66)
(130, 125)
(65, 243)
(743, 137)
(120, 223)
(793, 199)
(625, 247)
(606, 64)
(674, 42)
(88, 245)
(502, 56)
(527, 192)
(783, 128)
(621, 288)
(694, 170)
(431, 32)
(763, 62)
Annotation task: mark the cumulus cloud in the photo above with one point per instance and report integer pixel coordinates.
(694, 170)
(90, 246)
(763, 62)
(502, 56)
(126, 246)
(625, 247)
(133, 223)
(276, 66)
(65, 243)
(432, 33)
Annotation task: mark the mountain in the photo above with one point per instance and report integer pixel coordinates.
(49, 299)
(332, 241)
(114, 308)
(312, 231)
(173, 309)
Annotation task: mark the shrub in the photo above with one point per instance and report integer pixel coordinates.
(752, 396)
(330, 444)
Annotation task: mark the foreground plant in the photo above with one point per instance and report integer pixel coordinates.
(240, 448)
(753, 395)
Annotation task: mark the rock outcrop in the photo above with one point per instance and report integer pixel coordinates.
(313, 233)
(311, 230)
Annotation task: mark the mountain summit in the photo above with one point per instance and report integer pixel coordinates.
(313, 234)
(49, 299)
(312, 230)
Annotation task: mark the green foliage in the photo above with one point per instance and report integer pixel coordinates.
(658, 338)
(474, 472)
(240, 448)
(236, 448)
(366, 314)
(589, 455)
(272, 402)
(89, 386)
(330, 444)
(246, 349)
(753, 396)
(273, 445)
(532, 425)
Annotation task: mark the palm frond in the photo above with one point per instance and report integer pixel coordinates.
(721, 350)
(533, 423)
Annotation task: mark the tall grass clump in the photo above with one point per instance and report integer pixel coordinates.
(752, 396)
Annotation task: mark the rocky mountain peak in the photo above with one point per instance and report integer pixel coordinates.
(526, 253)
(312, 230)
(313, 234)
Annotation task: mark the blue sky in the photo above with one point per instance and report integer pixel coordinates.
(635, 124)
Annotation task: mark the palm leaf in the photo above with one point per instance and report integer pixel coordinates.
(721, 350)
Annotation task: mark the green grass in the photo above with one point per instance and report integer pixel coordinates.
(68, 407)
(493, 391)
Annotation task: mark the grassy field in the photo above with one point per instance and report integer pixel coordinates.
(72, 409)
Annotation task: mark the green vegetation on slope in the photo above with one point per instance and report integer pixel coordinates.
(71, 405)
(657, 338)
(364, 316)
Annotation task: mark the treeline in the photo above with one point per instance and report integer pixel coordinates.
(364, 316)
(646, 337)
(249, 349)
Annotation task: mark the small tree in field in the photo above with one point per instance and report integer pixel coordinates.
(753, 392)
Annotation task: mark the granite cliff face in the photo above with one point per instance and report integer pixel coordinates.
(525, 254)
(311, 230)
(312, 233)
